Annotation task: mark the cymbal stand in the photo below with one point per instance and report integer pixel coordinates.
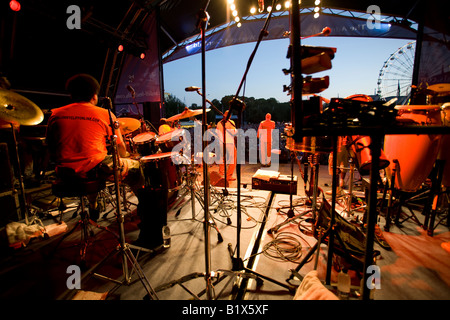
(141, 117)
(203, 19)
(22, 200)
(123, 248)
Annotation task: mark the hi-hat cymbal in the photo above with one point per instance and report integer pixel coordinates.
(440, 87)
(187, 113)
(128, 125)
(16, 108)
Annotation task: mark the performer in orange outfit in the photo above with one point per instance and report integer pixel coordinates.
(77, 137)
(230, 148)
(265, 139)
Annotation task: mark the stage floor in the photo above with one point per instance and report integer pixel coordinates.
(416, 267)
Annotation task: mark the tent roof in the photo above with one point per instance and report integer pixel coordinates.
(179, 18)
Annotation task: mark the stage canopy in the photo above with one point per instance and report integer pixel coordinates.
(39, 50)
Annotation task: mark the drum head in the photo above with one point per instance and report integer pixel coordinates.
(144, 137)
(170, 136)
(158, 156)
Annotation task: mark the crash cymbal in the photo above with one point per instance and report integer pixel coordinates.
(128, 125)
(187, 113)
(16, 108)
(440, 87)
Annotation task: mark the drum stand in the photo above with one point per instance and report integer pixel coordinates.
(315, 178)
(124, 249)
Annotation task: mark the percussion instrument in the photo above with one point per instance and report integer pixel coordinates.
(308, 144)
(187, 113)
(359, 149)
(144, 143)
(15, 108)
(160, 171)
(128, 125)
(416, 154)
(444, 151)
(168, 140)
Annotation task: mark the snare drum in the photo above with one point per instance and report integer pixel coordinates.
(359, 149)
(160, 172)
(444, 150)
(416, 154)
(169, 140)
(144, 143)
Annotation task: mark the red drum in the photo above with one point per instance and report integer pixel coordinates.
(444, 151)
(416, 154)
(359, 149)
(160, 171)
(168, 140)
(144, 143)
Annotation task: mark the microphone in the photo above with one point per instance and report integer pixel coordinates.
(326, 31)
(191, 88)
(130, 88)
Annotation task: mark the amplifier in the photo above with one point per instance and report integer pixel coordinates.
(280, 184)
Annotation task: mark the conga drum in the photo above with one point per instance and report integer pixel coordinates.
(359, 149)
(444, 150)
(416, 154)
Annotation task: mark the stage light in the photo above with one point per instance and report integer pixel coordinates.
(234, 13)
(278, 7)
(287, 4)
(269, 8)
(316, 9)
(239, 25)
(252, 10)
(142, 56)
(237, 19)
(120, 48)
(317, 2)
(316, 15)
(14, 5)
(230, 1)
(232, 7)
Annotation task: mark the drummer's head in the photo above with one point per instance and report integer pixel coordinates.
(268, 116)
(83, 88)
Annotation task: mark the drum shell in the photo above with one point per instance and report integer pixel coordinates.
(416, 154)
(360, 150)
(144, 143)
(310, 144)
(160, 172)
(444, 150)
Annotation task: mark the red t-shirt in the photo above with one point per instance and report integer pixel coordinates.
(77, 136)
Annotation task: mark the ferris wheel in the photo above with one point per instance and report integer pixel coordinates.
(395, 77)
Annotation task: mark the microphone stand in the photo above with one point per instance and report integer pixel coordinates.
(123, 247)
(239, 106)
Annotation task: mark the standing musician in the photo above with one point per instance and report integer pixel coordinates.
(265, 139)
(230, 148)
(77, 140)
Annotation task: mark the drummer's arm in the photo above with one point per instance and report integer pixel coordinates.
(123, 153)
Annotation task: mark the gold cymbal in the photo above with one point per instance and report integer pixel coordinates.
(187, 113)
(16, 108)
(128, 125)
(440, 87)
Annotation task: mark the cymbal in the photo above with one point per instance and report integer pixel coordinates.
(128, 125)
(187, 113)
(440, 87)
(18, 109)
